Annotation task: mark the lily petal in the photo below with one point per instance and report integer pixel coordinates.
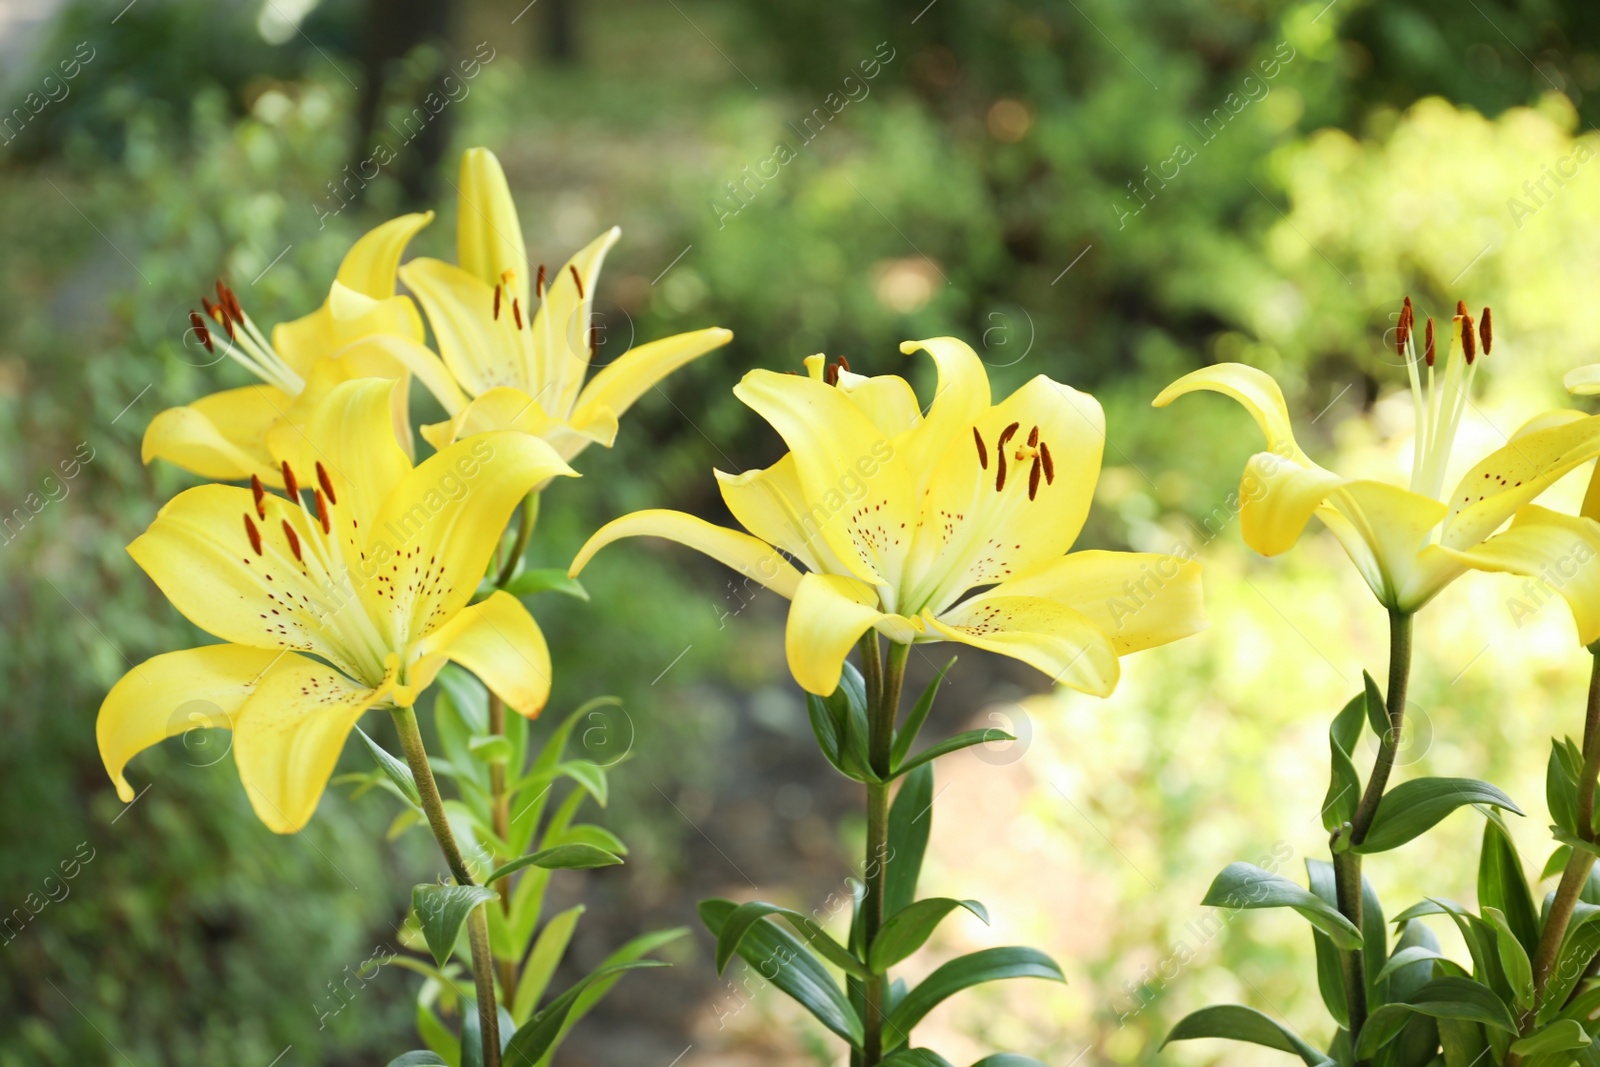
(488, 232)
(288, 736)
(619, 384)
(1138, 599)
(431, 541)
(770, 504)
(1255, 389)
(221, 436)
(369, 267)
(1560, 549)
(1277, 497)
(560, 328)
(504, 408)
(1386, 532)
(499, 642)
(750, 556)
(1044, 634)
(481, 350)
(172, 694)
(1584, 381)
(846, 466)
(887, 399)
(829, 614)
(370, 353)
(961, 396)
(1512, 476)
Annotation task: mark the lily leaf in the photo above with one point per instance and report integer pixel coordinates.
(745, 916)
(529, 1044)
(1235, 1022)
(908, 929)
(559, 858)
(394, 769)
(1449, 997)
(548, 579)
(1413, 807)
(910, 822)
(963, 972)
(965, 739)
(1243, 885)
(442, 909)
(907, 733)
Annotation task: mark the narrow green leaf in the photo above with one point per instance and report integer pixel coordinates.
(907, 734)
(548, 949)
(594, 992)
(1405, 957)
(1579, 947)
(1413, 807)
(965, 739)
(546, 580)
(1556, 863)
(917, 1057)
(963, 972)
(1374, 940)
(1561, 789)
(1235, 1022)
(1574, 841)
(910, 822)
(1243, 885)
(1501, 884)
(1449, 997)
(441, 909)
(827, 726)
(494, 749)
(560, 858)
(1513, 958)
(1009, 1059)
(529, 1044)
(394, 769)
(908, 929)
(1560, 1036)
(782, 959)
(420, 1058)
(1377, 714)
(748, 915)
(589, 775)
(1330, 968)
(588, 834)
(1344, 783)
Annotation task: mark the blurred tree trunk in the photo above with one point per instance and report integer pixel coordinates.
(392, 29)
(561, 31)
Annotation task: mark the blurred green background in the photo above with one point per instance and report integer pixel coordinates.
(1107, 193)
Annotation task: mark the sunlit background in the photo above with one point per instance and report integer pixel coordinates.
(1107, 193)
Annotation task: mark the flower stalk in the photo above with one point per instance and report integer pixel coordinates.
(883, 683)
(405, 721)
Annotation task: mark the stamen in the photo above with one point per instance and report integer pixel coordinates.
(291, 486)
(255, 535)
(538, 285)
(1428, 341)
(1005, 435)
(497, 303)
(983, 452)
(1049, 464)
(260, 492)
(322, 513)
(830, 374)
(1033, 437)
(1000, 473)
(326, 483)
(576, 280)
(516, 312)
(229, 301)
(1461, 308)
(844, 364)
(200, 328)
(1486, 331)
(294, 540)
(594, 339)
(1033, 479)
(1469, 343)
(1402, 334)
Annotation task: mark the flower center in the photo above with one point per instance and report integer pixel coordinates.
(1439, 402)
(1035, 451)
(246, 344)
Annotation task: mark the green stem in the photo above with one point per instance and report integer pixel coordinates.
(883, 693)
(500, 812)
(1581, 861)
(405, 721)
(1347, 864)
(530, 515)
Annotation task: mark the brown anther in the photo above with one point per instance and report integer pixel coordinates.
(983, 451)
(1033, 437)
(1469, 340)
(844, 364)
(1461, 308)
(1033, 479)
(294, 540)
(322, 512)
(576, 280)
(1428, 342)
(260, 492)
(326, 483)
(594, 339)
(516, 312)
(1049, 464)
(497, 303)
(290, 486)
(255, 534)
(229, 301)
(1000, 472)
(1006, 435)
(538, 285)
(1402, 332)
(200, 328)
(830, 373)
(1486, 331)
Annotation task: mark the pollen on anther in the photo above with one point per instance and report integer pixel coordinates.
(260, 492)
(1006, 435)
(1033, 437)
(844, 364)
(1469, 342)
(294, 540)
(1428, 342)
(1486, 331)
(290, 486)
(200, 328)
(1033, 478)
(576, 279)
(322, 512)
(1049, 464)
(538, 285)
(516, 312)
(497, 291)
(326, 483)
(1000, 472)
(983, 452)
(253, 533)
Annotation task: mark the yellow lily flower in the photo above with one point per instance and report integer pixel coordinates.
(511, 366)
(897, 516)
(363, 329)
(373, 577)
(1406, 542)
